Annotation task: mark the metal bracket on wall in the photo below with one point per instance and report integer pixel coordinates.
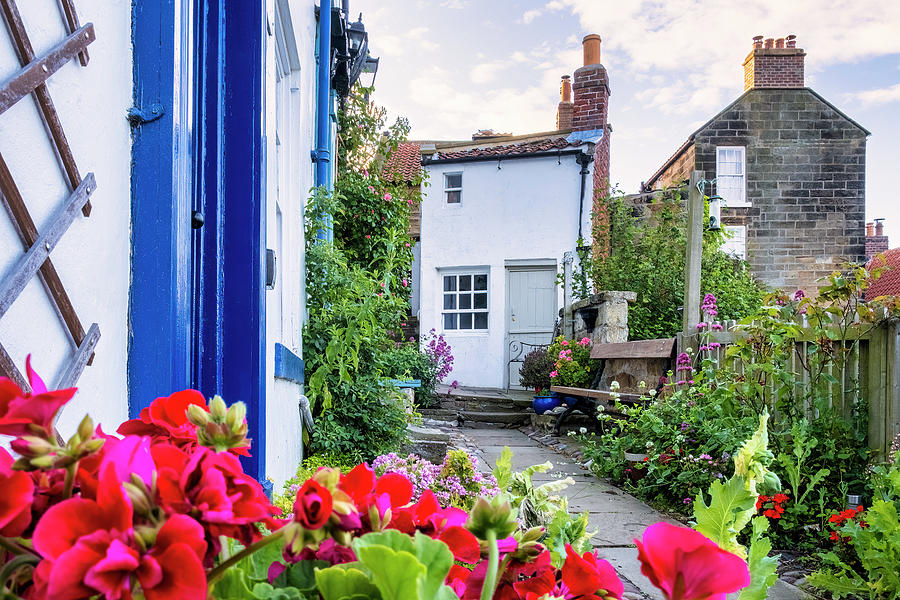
(140, 116)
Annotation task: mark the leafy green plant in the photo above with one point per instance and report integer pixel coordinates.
(572, 364)
(646, 253)
(537, 504)
(871, 566)
(535, 371)
(564, 529)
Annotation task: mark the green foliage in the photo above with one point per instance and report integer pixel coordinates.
(870, 568)
(564, 529)
(647, 255)
(306, 470)
(728, 512)
(572, 363)
(404, 360)
(537, 504)
(763, 568)
(357, 288)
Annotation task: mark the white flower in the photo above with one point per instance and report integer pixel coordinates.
(652, 393)
(583, 430)
(571, 433)
(649, 445)
(614, 385)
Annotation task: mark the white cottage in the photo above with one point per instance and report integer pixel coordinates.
(501, 215)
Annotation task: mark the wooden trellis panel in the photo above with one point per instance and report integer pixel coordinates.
(31, 79)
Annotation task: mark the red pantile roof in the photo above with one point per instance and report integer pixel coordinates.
(404, 163)
(525, 147)
(889, 282)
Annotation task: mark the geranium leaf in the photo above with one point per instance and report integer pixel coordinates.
(437, 558)
(338, 583)
(301, 575)
(233, 586)
(390, 538)
(265, 591)
(395, 574)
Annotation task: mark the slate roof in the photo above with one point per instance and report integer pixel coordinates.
(404, 163)
(889, 282)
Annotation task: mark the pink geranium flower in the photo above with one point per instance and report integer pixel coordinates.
(388, 197)
(21, 412)
(584, 342)
(686, 565)
(553, 374)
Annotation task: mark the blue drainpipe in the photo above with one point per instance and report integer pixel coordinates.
(322, 153)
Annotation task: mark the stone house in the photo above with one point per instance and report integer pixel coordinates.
(500, 217)
(790, 168)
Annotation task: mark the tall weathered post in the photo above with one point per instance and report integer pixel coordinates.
(692, 259)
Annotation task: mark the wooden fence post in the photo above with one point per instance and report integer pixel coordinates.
(691, 314)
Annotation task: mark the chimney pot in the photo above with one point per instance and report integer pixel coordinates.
(757, 41)
(591, 45)
(879, 227)
(565, 89)
(870, 229)
(779, 43)
(770, 42)
(791, 41)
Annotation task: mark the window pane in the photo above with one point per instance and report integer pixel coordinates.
(453, 197)
(481, 282)
(465, 283)
(454, 180)
(449, 301)
(480, 300)
(481, 320)
(450, 321)
(450, 283)
(465, 320)
(465, 301)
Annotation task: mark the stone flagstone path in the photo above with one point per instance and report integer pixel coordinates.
(616, 516)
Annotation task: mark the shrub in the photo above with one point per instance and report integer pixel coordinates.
(573, 365)
(535, 371)
(646, 255)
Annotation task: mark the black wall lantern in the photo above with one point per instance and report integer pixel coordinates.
(351, 44)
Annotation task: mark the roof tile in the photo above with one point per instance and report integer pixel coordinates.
(889, 282)
(557, 143)
(404, 163)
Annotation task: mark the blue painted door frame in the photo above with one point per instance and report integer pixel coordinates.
(197, 314)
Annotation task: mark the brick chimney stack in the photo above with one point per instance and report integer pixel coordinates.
(876, 241)
(566, 110)
(591, 88)
(774, 63)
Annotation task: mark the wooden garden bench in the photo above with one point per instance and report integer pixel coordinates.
(587, 401)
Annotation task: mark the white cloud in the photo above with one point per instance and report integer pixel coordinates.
(530, 15)
(878, 96)
(705, 42)
(455, 4)
(486, 72)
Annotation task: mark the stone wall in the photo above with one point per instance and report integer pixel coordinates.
(805, 183)
(602, 317)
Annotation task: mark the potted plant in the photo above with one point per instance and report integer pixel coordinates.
(535, 374)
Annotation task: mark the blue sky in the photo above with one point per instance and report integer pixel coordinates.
(455, 66)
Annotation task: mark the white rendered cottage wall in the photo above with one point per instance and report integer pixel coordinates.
(290, 134)
(93, 256)
(526, 209)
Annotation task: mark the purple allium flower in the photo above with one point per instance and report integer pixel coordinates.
(799, 294)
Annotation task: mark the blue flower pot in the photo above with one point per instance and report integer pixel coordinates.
(542, 404)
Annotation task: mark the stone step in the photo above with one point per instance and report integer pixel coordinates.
(509, 417)
(439, 414)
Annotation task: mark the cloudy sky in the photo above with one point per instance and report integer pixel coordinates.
(455, 66)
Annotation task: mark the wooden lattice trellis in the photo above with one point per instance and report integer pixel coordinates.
(28, 80)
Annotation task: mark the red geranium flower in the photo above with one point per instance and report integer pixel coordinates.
(90, 548)
(583, 576)
(16, 496)
(21, 412)
(376, 498)
(686, 565)
(213, 489)
(166, 418)
(312, 508)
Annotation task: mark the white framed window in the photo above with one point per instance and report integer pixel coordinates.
(731, 179)
(453, 188)
(465, 301)
(736, 242)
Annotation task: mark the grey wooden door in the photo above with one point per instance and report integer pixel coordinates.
(530, 314)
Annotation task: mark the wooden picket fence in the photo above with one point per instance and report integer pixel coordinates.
(871, 372)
